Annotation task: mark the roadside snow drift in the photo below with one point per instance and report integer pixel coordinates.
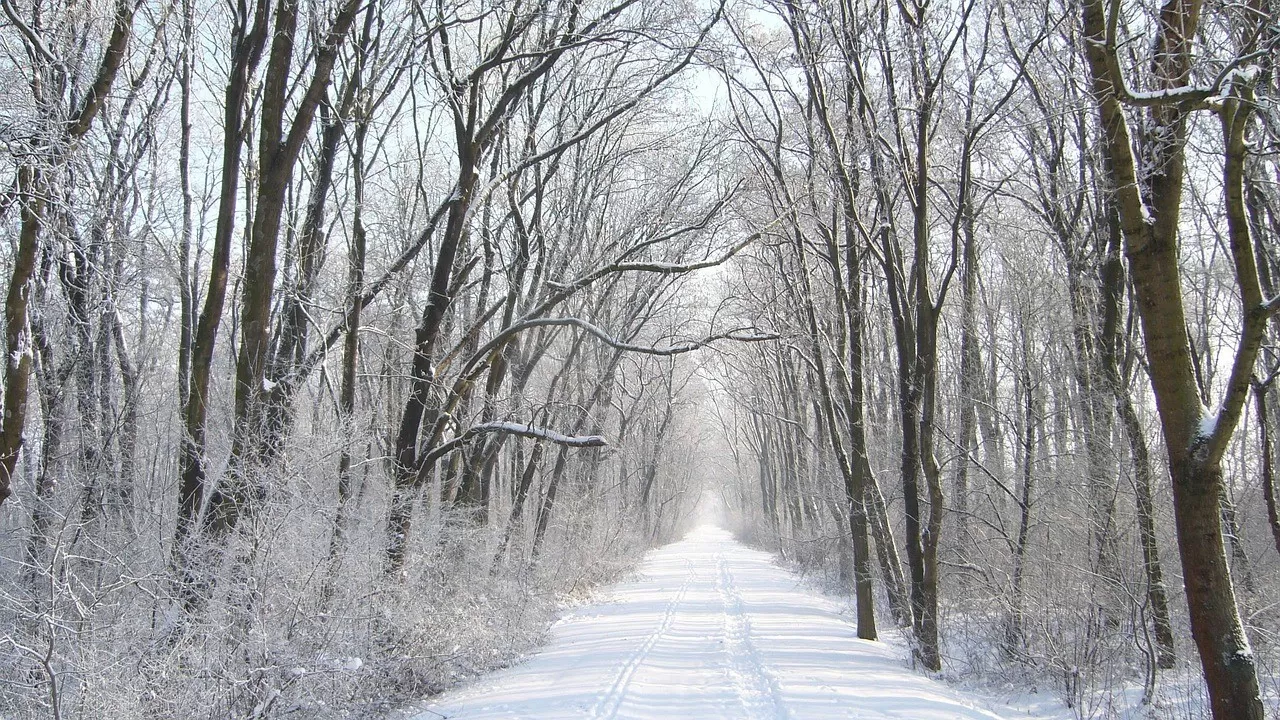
(710, 629)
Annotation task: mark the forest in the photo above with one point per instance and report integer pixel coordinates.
(346, 341)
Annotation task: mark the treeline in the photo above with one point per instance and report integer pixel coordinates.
(1028, 274)
(340, 339)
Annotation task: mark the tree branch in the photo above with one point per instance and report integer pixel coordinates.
(33, 39)
(510, 428)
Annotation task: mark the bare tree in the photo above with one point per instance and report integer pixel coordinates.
(1148, 194)
(61, 130)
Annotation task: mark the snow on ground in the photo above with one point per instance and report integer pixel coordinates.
(709, 629)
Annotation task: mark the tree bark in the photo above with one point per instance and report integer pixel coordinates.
(1195, 442)
(17, 373)
(242, 490)
(1268, 472)
(33, 191)
(246, 44)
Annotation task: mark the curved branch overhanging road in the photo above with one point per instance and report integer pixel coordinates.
(709, 629)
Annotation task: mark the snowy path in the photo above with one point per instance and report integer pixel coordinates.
(710, 629)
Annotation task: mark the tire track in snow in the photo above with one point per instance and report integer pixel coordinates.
(758, 690)
(606, 708)
(712, 630)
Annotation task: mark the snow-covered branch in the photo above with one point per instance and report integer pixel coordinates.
(510, 428)
(1239, 69)
(565, 290)
(736, 334)
(474, 367)
(299, 373)
(34, 41)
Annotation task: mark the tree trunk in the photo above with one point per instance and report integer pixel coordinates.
(243, 489)
(1142, 475)
(970, 380)
(51, 379)
(1014, 638)
(1195, 443)
(351, 339)
(246, 51)
(17, 373)
(1267, 451)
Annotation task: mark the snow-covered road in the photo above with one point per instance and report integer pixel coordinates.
(709, 629)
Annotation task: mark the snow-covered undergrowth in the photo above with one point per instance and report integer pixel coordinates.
(1072, 662)
(99, 632)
